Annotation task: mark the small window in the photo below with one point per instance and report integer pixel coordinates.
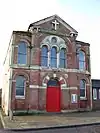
(82, 89)
(95, 94)
(54, 40)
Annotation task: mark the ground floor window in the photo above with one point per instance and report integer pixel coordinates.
(82, 88)
(20, 86)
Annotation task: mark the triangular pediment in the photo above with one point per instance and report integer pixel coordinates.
(54, 17)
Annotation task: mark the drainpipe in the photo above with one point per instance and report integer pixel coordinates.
(30, 59)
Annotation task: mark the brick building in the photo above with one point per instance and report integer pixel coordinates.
(47, 69)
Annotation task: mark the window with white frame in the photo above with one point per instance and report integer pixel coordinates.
(82, 88)
(95, 93)
(82, 63)
(22, 53)
(20, 86)
(44, 56)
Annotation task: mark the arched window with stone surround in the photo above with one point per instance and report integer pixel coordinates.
(44, 56)
(82, 88)
(82, 63)
(20, 86)
(22, 53)
(53, 57)
(62, 57)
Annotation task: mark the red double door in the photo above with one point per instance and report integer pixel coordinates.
(53, 99)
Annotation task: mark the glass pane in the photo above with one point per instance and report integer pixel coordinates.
(81, 65)
(62, 58)
(54, 52)
(44, 61)
(22, 48)
(53, 62)
(62, 63)
(82, 92)
(54, 57)
(21, 59)
(20, 85)
(44, 56)
(44, 51)
(82, 84)
(62, 53)
(81, 56)
(20, 91)
(94, 94)
(20, 81)
(53, 83)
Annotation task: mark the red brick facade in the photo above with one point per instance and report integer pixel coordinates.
(37, 76)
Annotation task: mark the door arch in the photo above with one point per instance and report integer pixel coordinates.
(53, 96)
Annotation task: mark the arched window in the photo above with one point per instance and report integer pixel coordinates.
(82, 65)
(20, 86)
(82, 88)
(62, 58)
(44, 56)
(54, 57)
(22, 53)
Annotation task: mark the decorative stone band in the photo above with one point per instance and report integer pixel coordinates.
(44, 87)
(35, 67)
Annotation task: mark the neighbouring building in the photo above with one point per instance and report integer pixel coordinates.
(47, 69)
(96, 93)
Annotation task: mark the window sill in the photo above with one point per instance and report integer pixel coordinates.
(83, 98)
(95, 99)
(20, 97)
(48, 67)
(21, 64)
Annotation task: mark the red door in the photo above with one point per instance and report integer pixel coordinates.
(53, 98)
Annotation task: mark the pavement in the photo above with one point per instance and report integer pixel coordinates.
(50, 121)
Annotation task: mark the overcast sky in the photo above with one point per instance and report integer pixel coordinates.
(82, 15)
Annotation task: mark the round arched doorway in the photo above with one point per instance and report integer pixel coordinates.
(53, 96)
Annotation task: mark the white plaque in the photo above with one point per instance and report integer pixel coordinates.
(74, 98)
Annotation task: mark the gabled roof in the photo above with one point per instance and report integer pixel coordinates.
(82, 43)
(51, 18)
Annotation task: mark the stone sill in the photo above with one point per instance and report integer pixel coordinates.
(20, 97)
(83, 98)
